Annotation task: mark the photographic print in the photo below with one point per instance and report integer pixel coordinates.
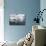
(17, 19)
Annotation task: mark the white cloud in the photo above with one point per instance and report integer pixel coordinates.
(18, 17)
